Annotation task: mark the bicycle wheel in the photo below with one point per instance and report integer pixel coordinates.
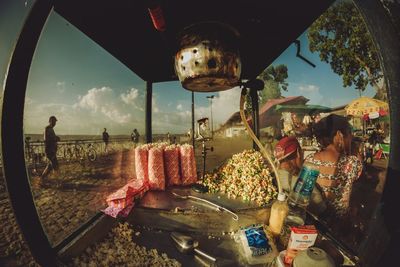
(91, 154)
(79, 152)
(68, 154)
(60, 152)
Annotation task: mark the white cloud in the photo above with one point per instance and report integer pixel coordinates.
(223, 106)
(94, 110)
(105, 107)
(173, 122)
(103, 100)
(313, 93)
(130, 96)
(310, 88)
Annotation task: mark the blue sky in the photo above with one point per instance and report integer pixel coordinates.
(87, 89)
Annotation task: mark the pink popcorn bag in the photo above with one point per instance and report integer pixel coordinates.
(121, 201)
(156, 169)
(141, 163)
(122, 212)
(188, 165)
(171, 164)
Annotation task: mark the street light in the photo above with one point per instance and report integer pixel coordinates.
(212, 122)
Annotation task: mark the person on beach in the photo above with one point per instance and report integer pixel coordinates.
(135, 136)
(106, 138)
(50, 142)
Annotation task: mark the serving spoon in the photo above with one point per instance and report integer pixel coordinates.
(187, 245)
(216, 206)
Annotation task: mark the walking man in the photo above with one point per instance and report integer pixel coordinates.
(50, 142)
(135, 136)
(106, 137)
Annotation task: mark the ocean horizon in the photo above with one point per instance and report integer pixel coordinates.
(39, 137)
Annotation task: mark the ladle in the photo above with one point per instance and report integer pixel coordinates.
(216, 206)
(187, 245)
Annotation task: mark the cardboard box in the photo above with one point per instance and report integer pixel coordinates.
(301, 237)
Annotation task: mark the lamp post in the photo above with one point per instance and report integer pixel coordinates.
(212, 122)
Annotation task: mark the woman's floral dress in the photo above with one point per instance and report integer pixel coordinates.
(337, 187)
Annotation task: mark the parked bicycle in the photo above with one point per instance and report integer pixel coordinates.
(77, 152)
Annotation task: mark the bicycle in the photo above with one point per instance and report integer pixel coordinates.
(90, 152)
(77, 152)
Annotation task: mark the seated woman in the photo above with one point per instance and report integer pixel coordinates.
(338, 168)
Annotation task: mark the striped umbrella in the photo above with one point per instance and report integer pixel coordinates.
(366, 106)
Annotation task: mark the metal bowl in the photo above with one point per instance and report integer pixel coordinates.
(208, 57)
(313, 257)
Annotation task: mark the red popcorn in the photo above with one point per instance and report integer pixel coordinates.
(171, 162)
(156, 169)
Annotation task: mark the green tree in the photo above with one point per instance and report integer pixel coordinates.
(342, 40)
(274, 81)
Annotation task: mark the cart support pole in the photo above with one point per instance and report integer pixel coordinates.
(14, 167)
(254, 104)
(149, 97)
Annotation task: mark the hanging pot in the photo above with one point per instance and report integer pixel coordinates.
(208, 57)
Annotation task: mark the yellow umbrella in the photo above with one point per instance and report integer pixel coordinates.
(366, 105)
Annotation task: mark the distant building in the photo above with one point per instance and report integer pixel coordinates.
(267, 114)
(233, 126)
(268, 117)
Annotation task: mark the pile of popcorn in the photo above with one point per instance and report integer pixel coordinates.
(118, 249)
(244, 176)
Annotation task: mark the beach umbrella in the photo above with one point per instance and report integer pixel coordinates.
(367, 107)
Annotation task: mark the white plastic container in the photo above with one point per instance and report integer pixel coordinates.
(279, 211)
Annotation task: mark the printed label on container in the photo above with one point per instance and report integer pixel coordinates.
(301, 237)
(306, 181)
(257, 240)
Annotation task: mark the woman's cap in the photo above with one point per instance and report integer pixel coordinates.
(285, 147)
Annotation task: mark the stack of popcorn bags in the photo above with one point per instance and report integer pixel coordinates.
(157, 166)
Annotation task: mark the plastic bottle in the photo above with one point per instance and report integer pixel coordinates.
(279, 211)
(299, 197)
